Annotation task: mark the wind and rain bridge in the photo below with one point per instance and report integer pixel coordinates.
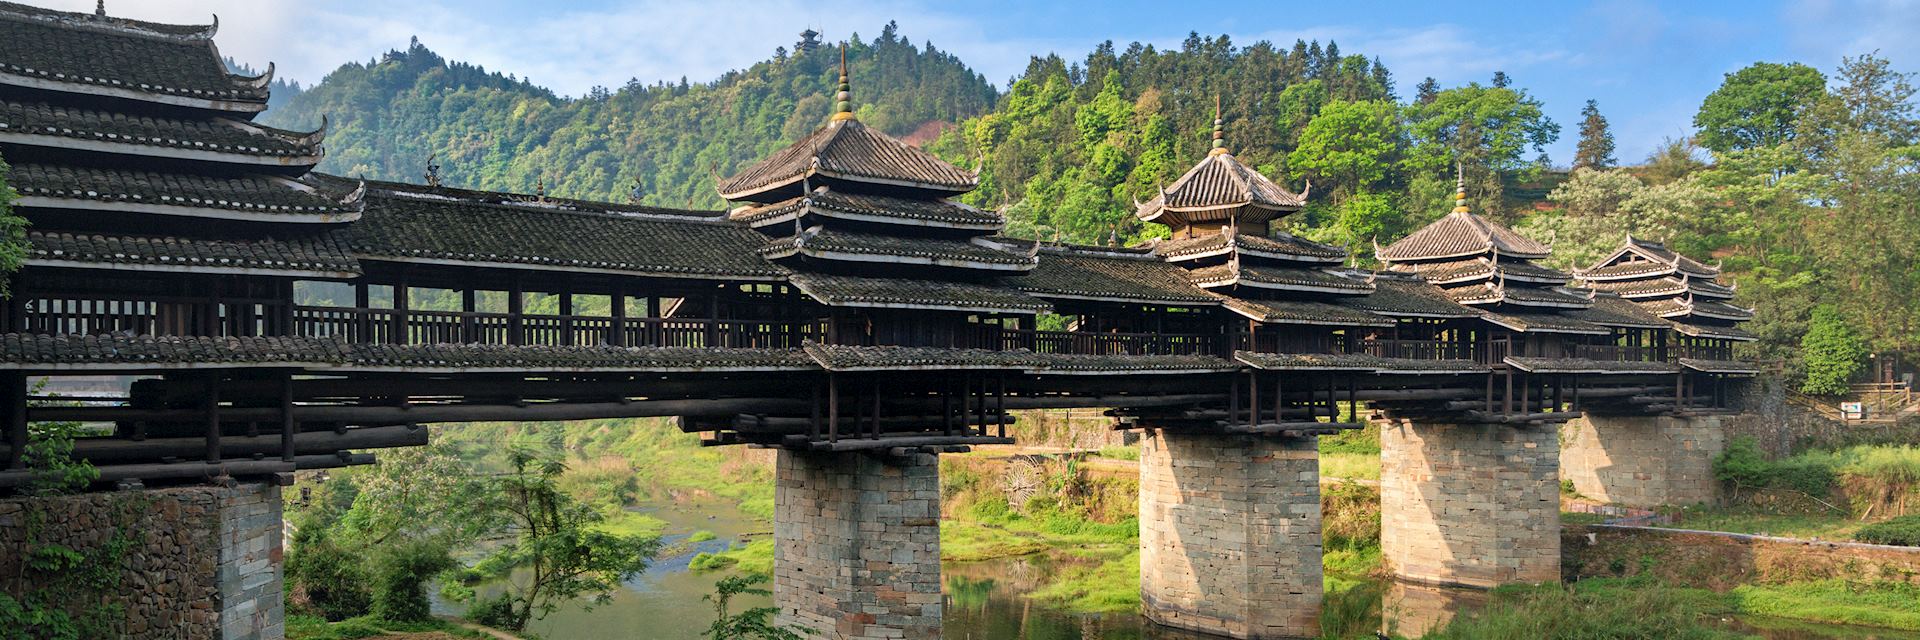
(847, 311)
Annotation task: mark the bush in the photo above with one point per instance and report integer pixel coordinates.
(496, 611)
(1833, 351)
(1744, 466)
(400, 581)
(325, 577)
(1903, 531)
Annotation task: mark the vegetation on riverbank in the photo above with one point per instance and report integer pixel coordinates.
(1834, 494)
(310, 627)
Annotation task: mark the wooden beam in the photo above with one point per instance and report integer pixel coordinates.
(199, 470)
(287, 424)
(118, 450)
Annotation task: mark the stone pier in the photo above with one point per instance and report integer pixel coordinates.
(194, 562)
(857, 545)
(1473, 505)
(1643, 461)
(1230, 534)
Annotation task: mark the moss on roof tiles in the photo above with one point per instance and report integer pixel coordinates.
(1305, 312)
(22, 117)
(134, 351)
(882, 358)
(826, 242)
(1080, 274)
(570, 358)
(1586, 365)
(117, 53)
(919, 212)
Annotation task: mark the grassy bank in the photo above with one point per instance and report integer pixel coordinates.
(305, 627)
(1642, 608)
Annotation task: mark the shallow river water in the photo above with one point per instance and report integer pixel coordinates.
(984, 600)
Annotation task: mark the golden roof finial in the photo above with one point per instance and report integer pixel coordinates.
(1459, 187)
(843, 100)
(1219, 131)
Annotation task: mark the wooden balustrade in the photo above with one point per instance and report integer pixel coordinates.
(1082, 342)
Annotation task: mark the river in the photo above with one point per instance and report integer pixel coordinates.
(984, 600)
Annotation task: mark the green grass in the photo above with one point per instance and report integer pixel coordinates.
(1120, 452)
(305, 627)
(1886, 463)
(1571, 517)
(1753, 521)
(1886, 604)
(753, 557)
(1592, 609)
(628, 523)
(702, 535)
(1352, 466)
(1111, 584)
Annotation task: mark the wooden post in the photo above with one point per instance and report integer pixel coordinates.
(1279, 398)
(713, 321)
(516, 311)
(469, 327)
(1233, 402)
(617, 306)
(1507, 402)
(287, 425)
(966, 408)
(833, 407)
(16, 397)
(400, 306)
(213, 418)
(1353, 404)
(876, 407)
(946, 410)
(1253, 398)
(813, 412)
(363, 322)
(1001, 392)
(566, 311)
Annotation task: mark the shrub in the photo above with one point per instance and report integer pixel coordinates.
(495, 611)
(330, 580)
(1903, 531)
(1744, 466)
(400, 581)
(1351, 516)
(1833, 352)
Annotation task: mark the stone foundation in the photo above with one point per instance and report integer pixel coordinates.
(1474, 505)
(1230, 534)
(195, 562)
(857, 545)
(1643, 461)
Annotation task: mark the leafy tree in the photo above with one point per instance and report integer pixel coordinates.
(1834, 353)
(752, 624)
(1500, 80)
(553, 553)
(1672, 160)
(400, 576)
(1757, 106)
(418, 494)
(1350, 146)
(13, 234)
(1596, 140)
(1487, 129)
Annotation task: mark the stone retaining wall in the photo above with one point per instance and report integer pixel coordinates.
(1722, 561)
(197, 562)
(1643, 461)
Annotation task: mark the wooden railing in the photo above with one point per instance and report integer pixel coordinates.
(1614, 352)
(1417, 349)
(1079, 342)
(457, 327)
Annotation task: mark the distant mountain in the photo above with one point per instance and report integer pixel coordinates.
(496, 131)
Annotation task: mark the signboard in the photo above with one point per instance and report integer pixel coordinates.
(1853, 410)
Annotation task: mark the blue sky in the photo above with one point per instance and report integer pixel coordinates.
(1648, 63)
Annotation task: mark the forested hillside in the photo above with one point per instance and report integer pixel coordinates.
(492, 130)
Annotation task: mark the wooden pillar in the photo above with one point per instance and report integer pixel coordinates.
(1279, 398)
(713, 321)
(16, 397)
(213, 418)
(1000, 391)
(1233, 402)
(617, 336)
(363, 321)
(469, 327)
(833, 407)
(1253, 398)
(566, 311)
(1353, 402)
(813, 417)
(283, 312)
(876, 407)
(400, 307)
(287, 425)
(516, 311)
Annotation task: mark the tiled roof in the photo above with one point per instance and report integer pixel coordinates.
(1720, 366)
(1544, 323)
(883, 358)
(1714, 331)
(1484, 269)
(1626, 270)
(1309, 280)
(848, 150)
(851, 291)
(572, 358)
(115, 53)
(1612, 311)
(1305, 312)
(215, 135)
(1585, 365)
(1659, 251)
(432, 227)
(1462, 234)
(1068, 273)
(1663, 286)
(1402, 297)
(830, 244)
(253, 196)
(1489, 293)
(1220, 181)
(1281, 246)
(18, 350)
(1061, 363)
(873, 208)
(312, 254)
(525, 201)
(1352, 362)
(1681, 308)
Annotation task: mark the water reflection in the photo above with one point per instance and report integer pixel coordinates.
(1412, 610)
(986, 600)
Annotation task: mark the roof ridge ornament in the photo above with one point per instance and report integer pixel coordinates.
(433, 170)
(100, 9)
(1219, 131)
(843, 99)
